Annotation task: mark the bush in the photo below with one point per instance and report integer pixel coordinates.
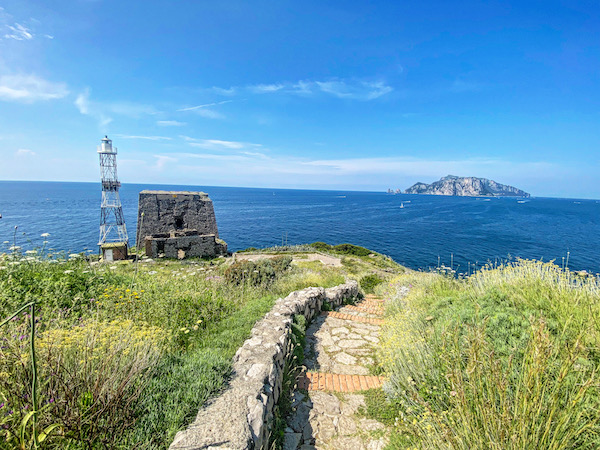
(321, 246)
(368, 283)
(258, 273)
(349, 249)
(342, 249)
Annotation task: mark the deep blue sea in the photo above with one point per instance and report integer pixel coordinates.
(415, 235)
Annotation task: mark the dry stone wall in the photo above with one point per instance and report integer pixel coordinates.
(242, 417)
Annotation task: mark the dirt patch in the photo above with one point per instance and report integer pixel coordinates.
(326, 260)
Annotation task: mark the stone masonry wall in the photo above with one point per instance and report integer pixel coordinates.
(242, 417)
(185, 246)
(165, 211)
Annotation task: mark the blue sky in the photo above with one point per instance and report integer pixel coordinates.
(304, 94)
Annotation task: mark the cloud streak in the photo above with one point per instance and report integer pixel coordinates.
(103, 111)
(340, 88)
(147, 138)
(170, 123)
(25, 152)
(30, 88)
(19, 32)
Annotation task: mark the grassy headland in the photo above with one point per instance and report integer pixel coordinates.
(125, 354)
(505, 359)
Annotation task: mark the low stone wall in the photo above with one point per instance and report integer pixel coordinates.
(241, 418)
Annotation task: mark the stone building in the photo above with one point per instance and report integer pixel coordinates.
(178, 224)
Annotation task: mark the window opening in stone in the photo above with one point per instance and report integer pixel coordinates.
(178, 223)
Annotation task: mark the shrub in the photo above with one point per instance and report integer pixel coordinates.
(321, 246)
(349, 249)
(368, 283)
(257, 273)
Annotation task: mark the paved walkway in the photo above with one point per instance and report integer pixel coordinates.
(338, 354)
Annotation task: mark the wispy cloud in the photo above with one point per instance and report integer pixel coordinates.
(204, 111)
(206, 105)
(104, 111)
(85, 107)
(25, 152)
(170, 123)
(18, 32)
(224, 91)
(30, 88)
(147, 138)
(361, 90)
(266, 88)
(216, 144)
(162, 161)
(351, 89)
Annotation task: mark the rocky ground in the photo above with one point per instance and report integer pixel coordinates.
(327, 404)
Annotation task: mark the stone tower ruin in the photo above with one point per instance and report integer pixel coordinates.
(178, 224)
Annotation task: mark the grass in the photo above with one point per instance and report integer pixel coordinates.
(105, 390)
(505, 359)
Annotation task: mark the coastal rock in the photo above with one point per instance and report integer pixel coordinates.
(466, 187)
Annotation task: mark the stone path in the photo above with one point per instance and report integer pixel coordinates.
(338, 354)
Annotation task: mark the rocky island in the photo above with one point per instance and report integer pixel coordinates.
(466, 187)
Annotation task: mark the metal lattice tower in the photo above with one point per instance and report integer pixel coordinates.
(112, 222)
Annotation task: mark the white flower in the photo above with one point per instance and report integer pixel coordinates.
(112, 267)
(68, 271)
(14, 247)
(31, 252)
(74, 255)
(45, 234)
(6, 242)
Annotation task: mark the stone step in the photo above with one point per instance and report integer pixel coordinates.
(374, 298)
(364, 308)
(319, 381)
(353, 317)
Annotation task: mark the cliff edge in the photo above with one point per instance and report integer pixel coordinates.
(466, 187)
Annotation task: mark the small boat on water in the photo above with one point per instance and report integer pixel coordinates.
(401, 205)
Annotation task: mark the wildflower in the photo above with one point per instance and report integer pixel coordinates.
(74, 255)
(453, 393)
(68, 271)
(199, 321)
(14, 247)
(45, 234)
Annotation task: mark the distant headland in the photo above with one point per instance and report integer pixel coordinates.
(466, 187)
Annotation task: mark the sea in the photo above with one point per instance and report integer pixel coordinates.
(418, 231)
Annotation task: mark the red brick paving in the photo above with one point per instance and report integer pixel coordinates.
(333, 382)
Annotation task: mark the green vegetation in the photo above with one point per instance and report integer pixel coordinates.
(290, 374)
(505, 359)
(369, 282)
(127, 353)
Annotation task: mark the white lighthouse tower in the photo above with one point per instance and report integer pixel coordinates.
(113, 232)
